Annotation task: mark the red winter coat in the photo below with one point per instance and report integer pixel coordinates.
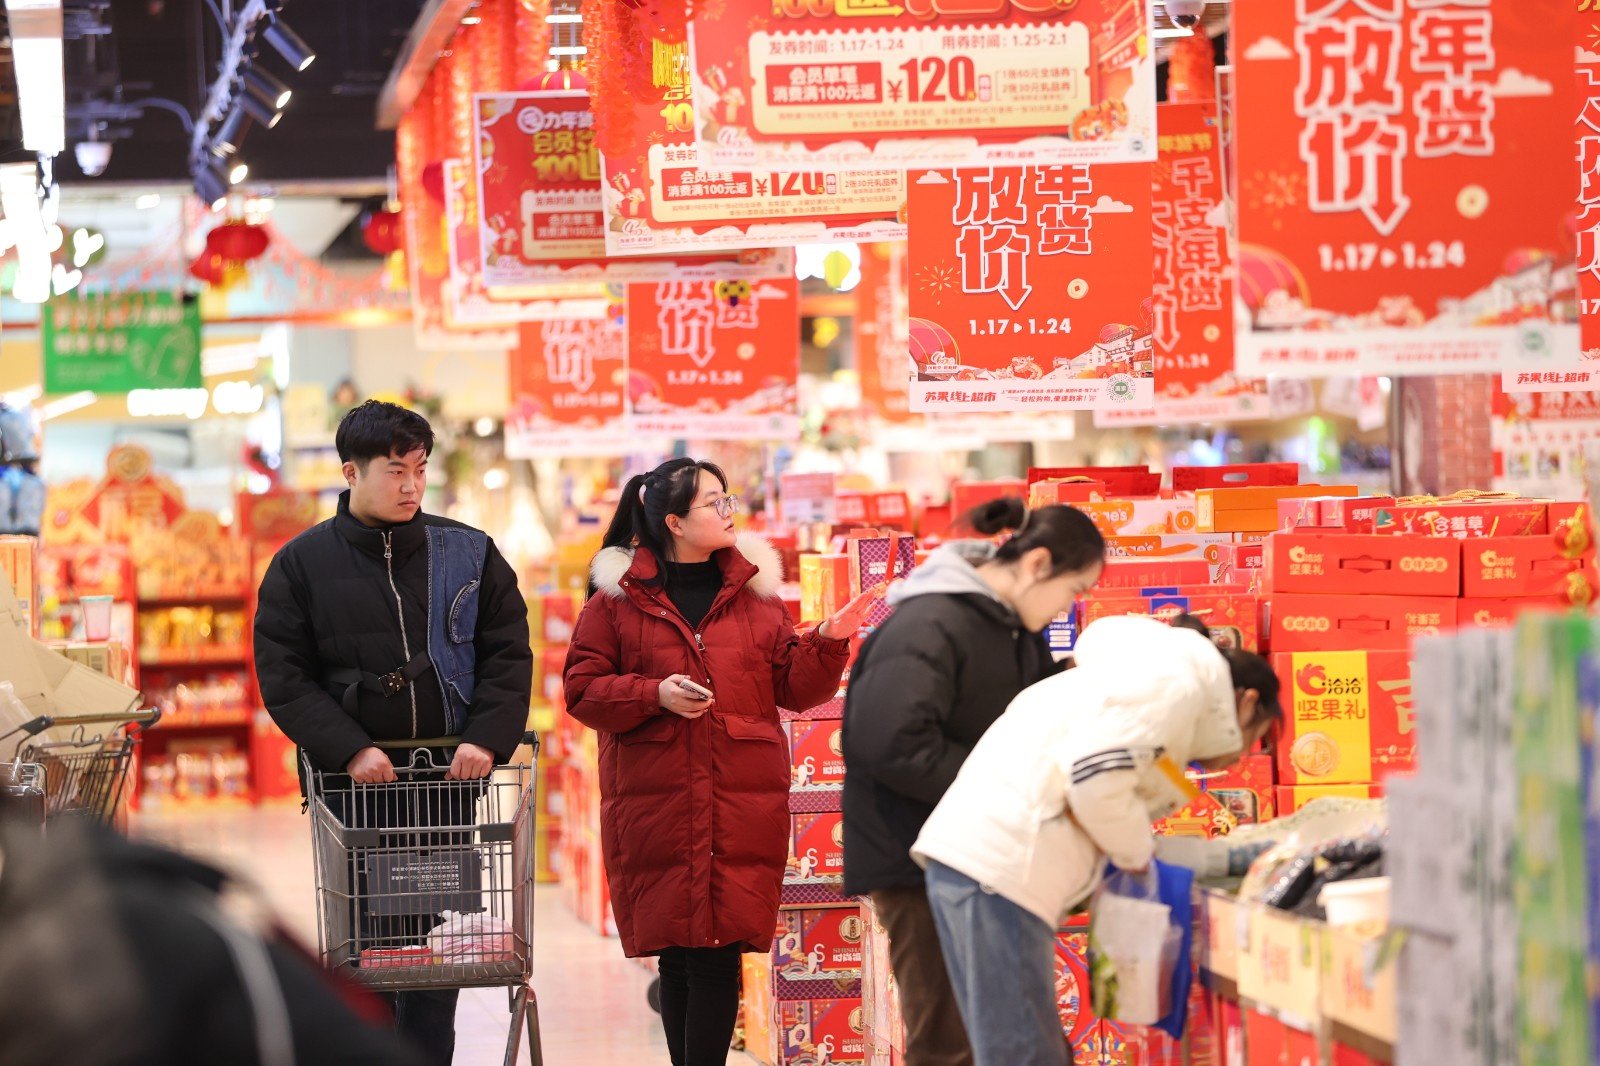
(694, 820)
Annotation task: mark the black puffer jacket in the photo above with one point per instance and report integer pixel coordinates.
(927, 686)
(326, 604)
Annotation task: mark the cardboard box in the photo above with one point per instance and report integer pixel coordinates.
(1503, 613)
(1068, 493)
(824, 586)
(1282, 968)
(760, 1032)
(966, 495)
(1367, 1003)
(1245, 475)
(1130, 481)
(1266, 1040)
(1230, 1032)
(1138, 518)
(1253, 510)
(1242, 563)
(1353, 515)
(1497, 518)
(1218, 945)
(1347, 717)
(1300, 513)
(821, 1030)
(1357, 623)
(1354, 564)
(1293, 797)
(1509, 567)
(817, 953)
(1208, 546)
(816, 765)
(1133, 574)
(1234, 618)
(815, 870)
(1240, 795)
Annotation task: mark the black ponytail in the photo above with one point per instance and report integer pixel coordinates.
(647, 500)
(1071, 537)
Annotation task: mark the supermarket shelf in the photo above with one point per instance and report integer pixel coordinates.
(229, 719)
(199, 657)
(194, 599)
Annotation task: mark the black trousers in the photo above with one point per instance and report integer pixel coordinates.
(699, 1003)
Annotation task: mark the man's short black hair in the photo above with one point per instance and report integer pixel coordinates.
(1252, 671)
(378, 430)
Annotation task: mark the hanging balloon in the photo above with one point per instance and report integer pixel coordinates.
(383, 231)
(238, 241)
(836, 267)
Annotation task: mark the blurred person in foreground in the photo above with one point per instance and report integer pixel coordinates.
(1073, 774)
(383, 624)
(965, 638)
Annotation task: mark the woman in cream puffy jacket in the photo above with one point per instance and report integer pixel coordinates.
(1073, 774)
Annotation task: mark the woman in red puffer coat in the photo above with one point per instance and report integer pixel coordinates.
(694, 788)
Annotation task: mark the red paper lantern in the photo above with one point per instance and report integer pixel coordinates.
(209, 267)
(238, 241)
(383, 231)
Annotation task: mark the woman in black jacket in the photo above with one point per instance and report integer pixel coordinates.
(964, 640)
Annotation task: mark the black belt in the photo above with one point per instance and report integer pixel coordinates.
(390, 684)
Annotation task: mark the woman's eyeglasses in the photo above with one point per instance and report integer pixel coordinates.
(726, 506)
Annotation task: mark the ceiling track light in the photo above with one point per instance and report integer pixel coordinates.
(266, 88)
(211, 187)
(266, 116)
(238, 172)
(289, 44)
(229, 133)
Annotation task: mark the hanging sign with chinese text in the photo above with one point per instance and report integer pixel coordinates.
(1030, 289)
(659, 198)
(883, 323)
(867, 84)
(715, 360)
(1587, 68)
(1421, 228)
(1193, 308)
(1539, 439)
(568, 389)
(119, 343)
(541, 209)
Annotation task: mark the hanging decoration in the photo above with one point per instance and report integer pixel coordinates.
(1191, 71)
(383, 231)
(238, 241)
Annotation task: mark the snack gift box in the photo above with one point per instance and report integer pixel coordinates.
(816, 1031)
(1138, 518)
(878, 561)
(1348, 717)
(816, 859)
(1506, 567)
(1134, 574)
(1451, 518)
(1070, 493)
(1118, 480)
(966, 495)
(1354, 515)
(824, 586)
(1241, 795)
(1503, 613)
(818, 953)
(1233, 618)
(816, 765)
(1208, 546)
(1356, 564)
(1253, 510)
(1244, 475)
(1357, 623)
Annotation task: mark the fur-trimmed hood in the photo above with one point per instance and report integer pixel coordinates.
(611, 565)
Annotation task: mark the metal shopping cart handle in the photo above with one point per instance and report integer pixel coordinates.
(146, 718)
(529, 739)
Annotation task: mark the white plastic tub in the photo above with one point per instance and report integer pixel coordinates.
(1360, 902)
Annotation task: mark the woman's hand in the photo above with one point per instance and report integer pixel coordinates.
(847, 621)
(678, 700)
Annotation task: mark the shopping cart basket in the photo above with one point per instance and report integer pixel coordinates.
(424, 883)
(22, 786)
(85, 767)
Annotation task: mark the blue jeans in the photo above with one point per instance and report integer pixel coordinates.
(1002, 963)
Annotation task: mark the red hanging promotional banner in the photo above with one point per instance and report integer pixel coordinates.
(715, 360)
(568, 389)
(860, 84)
(1030, 289)
(883, 331)
(541, 209)
(1539, 439)
(1193, 308)
(1588, 221)
(1422, 225)
(467, 302)
(659, 198)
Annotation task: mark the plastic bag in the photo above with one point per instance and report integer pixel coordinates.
(472, 938)
(1134, 949)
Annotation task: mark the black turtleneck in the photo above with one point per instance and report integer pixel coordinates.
(693, 588)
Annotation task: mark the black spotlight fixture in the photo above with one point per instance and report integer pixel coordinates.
(211, 185)
(267, 89)
(288, 43)
(229, 132)
(264, 114)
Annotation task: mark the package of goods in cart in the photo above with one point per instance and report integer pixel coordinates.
(470, 938)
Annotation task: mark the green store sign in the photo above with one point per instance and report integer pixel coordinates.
(137, 340)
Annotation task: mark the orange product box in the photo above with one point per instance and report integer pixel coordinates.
(760, 1038)
(1135, 518)
(1119, 480)
(1353, 515)
(1502, 614)
(1207, 546)
(1134, 574)
(1363, 563)
(1347, 717)
(1503, 567)
(1292, 798)
(1253, 510)
(824, 585)
(1071, 493)
(1357, 623)
(965, 495)
(1492, 518)
(1244, 475)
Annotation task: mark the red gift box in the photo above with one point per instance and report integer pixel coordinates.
(817, 953)
(1508, 567)
(1357, 623)
(1503, 613)
(821, 1030)
(1246, 475)
(816, 761)
(1347, 717)
(1354, 564)
(815, 869)
(1119, 480)
(1493, 518)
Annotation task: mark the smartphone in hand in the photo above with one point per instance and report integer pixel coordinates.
(699, 691)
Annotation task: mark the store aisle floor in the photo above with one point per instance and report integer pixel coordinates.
(591, 1000)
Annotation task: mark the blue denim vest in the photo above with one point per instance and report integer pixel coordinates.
(455, 579)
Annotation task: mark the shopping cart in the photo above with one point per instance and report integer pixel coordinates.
(85, 768)
(425, 883)
(22, 787)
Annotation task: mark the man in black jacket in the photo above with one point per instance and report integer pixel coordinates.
(388, 624)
